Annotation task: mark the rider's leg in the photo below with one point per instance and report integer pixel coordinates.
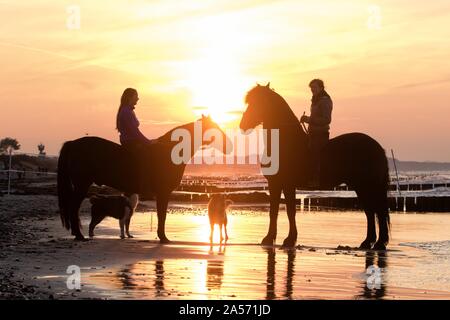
(314, 154)
(317, 142)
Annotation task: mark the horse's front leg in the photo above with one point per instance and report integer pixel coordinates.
(162, 202)
(275, 194)
(289, 195)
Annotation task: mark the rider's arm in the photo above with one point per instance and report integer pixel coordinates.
(130, 127)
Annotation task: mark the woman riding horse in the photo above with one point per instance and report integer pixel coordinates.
(131, 138)
(89, 160)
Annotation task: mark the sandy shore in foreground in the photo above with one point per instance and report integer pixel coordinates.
(35, 252)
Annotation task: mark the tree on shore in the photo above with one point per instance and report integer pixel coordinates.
(8, 145)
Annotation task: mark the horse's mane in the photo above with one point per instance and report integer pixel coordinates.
(268, 97)
(167, 136)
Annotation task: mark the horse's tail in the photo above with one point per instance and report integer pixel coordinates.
(64, 185)
(385, 187)
(387, 183)
(387, 179)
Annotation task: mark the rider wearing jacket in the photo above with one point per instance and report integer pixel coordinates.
(318, 126)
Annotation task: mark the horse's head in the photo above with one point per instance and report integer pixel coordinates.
(258, 100)
(211, 132)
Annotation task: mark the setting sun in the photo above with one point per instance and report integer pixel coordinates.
(216, 86)
(215, 78)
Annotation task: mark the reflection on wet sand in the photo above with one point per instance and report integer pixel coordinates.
(159, 278)
(270, 283)
(271, 270)
(374, 286)
(125, 276)
(242, 269)
(290, 273)
(266, 273)
(135, 277)
(176, 278)
(214, 270)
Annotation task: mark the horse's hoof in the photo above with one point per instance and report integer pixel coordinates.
(366, 245)
(164, 240)
(379, 246)
(80, 237)
(289, 243)
(130, 236)
(268, 241)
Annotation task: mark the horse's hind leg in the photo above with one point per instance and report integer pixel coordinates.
(383, 223)
(371, 230)
(366, 201)
(289, 195)
(78, 198)
(275, 194)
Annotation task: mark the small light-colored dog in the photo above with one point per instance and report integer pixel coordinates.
(217, 213)
(119, 207)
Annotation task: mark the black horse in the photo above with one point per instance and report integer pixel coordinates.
(89, 160)
(354, 159)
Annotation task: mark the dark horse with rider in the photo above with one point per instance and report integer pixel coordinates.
(307, 159)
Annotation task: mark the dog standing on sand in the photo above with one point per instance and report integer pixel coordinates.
(119, 207)
(217, 213)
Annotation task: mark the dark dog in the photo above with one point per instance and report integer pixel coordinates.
(119, 207)
(217, 213)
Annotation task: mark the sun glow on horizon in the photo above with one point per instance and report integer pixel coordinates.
(217, 89)
(215, 77)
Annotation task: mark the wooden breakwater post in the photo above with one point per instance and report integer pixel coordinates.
(420, 204)
(331, 203)
(416, 186)
(396, 204)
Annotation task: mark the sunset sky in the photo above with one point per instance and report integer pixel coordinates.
(386, 65)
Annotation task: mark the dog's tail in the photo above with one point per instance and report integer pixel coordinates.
(134, 201)
(64, 185)
(130, 206)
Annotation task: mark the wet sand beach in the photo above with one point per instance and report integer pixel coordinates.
(36, 252)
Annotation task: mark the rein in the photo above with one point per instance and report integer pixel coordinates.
(291, 124)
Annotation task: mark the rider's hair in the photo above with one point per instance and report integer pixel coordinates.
(319, 82)
(127, 94)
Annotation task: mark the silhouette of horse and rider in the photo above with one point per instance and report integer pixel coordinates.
(307, 159)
